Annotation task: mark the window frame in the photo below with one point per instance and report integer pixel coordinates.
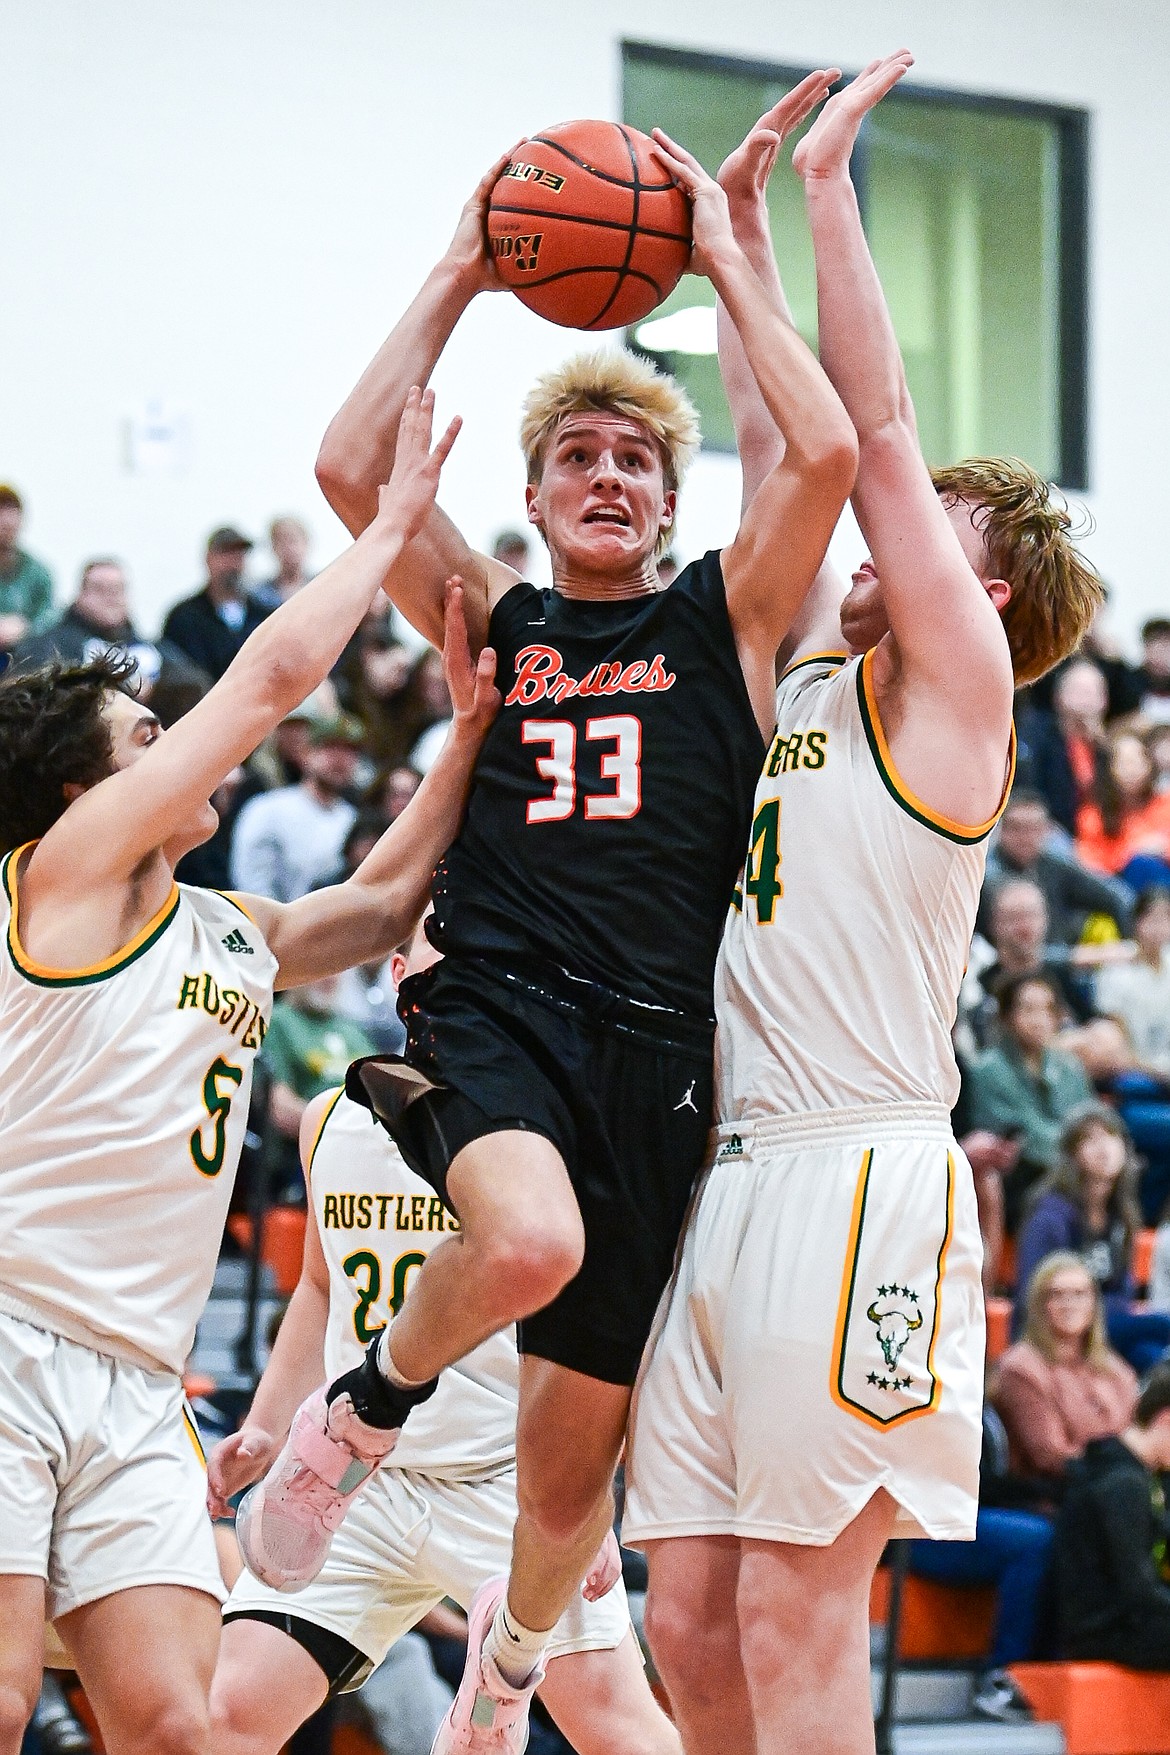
(1072, 127)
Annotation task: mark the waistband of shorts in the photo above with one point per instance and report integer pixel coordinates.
(596, 1004)
(830, 1127)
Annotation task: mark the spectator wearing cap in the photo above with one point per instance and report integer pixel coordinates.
(288, 538)
(212, 624)
(26, 587)
(98, 618)
(287, 840)
(1072, 892)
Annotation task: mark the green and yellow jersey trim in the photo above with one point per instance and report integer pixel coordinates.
(966, 834)
(845, 1305)
(837, 658)
(329, 1108)
(45, 977)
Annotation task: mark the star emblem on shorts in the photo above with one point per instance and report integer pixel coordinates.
(893, 1290)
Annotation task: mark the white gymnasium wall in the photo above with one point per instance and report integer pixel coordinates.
(226, 205)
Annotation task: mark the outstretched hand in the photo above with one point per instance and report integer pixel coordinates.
(475, 700)
(744, 173)
(469, 248)
(407, 498)
(710, 217)
(828, 145)
(234, 1463)
(605, 1569)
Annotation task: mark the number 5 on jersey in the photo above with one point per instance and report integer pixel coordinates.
(761, 878)
(622, 765)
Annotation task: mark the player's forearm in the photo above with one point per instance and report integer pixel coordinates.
(357, 452)
(373, 911)
(797, 394)
(395, 877)
(758, 439)
(297, 1364)
(858, 348)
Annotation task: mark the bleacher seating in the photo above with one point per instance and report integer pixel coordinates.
(1101, 1708)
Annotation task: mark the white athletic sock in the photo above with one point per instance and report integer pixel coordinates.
(389, 1369)
(516, 1650)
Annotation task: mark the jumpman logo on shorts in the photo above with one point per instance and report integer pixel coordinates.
(688, 1101)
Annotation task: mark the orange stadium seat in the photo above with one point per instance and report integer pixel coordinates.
(284, 1242)
(1143, 1251)
(1101, 1708)
(938, 1620)
(999, 1326)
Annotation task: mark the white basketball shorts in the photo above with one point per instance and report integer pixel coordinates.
(823, 1337)
(102, 1479)
(407, 1542)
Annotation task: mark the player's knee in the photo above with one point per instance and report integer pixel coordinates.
(17, 1700)
(534, 1262)
(237, 1726)
(690, 1648)
(177, 1728)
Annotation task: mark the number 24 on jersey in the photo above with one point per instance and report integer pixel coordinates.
(761, 877)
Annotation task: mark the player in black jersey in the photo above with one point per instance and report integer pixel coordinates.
(567, 1034)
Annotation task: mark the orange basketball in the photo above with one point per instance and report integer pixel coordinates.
(587, 228)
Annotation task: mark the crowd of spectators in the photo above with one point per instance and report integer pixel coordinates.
(1063, 1035)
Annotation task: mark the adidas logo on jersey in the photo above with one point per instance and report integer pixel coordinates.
(235, 941)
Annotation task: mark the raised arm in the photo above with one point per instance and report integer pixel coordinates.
(950, 649)
(744, 177)
(297, 1362)
(357, 452)
(105, 865)
(785, 531)
(346, 924)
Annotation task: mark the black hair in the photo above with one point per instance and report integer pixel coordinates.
(1007, 989)
(53, 733)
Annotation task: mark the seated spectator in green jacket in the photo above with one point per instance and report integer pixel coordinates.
(1112, 1573)
(26, 587)
(1024, 1088)
(307, 1049)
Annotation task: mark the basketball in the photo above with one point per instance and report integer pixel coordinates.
(587, 228)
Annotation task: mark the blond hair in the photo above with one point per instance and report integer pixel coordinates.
(1038, 1329)
(1025, 531)
(613, 382)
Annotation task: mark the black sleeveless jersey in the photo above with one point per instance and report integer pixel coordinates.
(611, 802)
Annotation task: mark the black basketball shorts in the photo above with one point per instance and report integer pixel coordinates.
(622, 1090)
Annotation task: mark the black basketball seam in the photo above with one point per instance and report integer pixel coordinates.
(617, 225)
(603, 176)
(568, 273)
(632, 237)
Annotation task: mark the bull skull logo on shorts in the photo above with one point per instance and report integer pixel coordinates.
(893, 1321)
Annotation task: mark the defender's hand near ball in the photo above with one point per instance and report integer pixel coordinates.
(826, 149)
(710, 217)
(406, 500)
(744, 173)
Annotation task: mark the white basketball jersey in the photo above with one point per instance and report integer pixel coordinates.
(839, 971)
(123, 1098)
(378, 1221)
